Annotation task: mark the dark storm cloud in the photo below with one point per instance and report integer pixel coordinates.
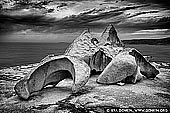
(52, 24)
(96, 18)
(140, 13)
(160, 2)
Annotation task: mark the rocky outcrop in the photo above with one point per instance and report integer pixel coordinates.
(51, 72)
(104, 54)
(82, 94)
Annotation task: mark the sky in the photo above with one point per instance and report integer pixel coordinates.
(133, 19)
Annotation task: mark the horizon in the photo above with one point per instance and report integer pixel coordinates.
(62, 38)
(73, 39)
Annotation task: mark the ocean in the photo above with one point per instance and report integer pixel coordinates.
(13, 54)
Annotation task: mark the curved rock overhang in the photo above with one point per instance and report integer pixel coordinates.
(51, 72)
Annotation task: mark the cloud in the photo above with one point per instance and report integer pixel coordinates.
(150, 31)
(67, 18)
(74, 17)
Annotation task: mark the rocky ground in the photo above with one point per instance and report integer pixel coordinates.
(93, 97)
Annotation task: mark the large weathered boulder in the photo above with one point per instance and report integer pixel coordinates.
(118, 69)
(51, 72)
(128, 66)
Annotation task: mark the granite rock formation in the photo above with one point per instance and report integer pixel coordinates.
(105, 53)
